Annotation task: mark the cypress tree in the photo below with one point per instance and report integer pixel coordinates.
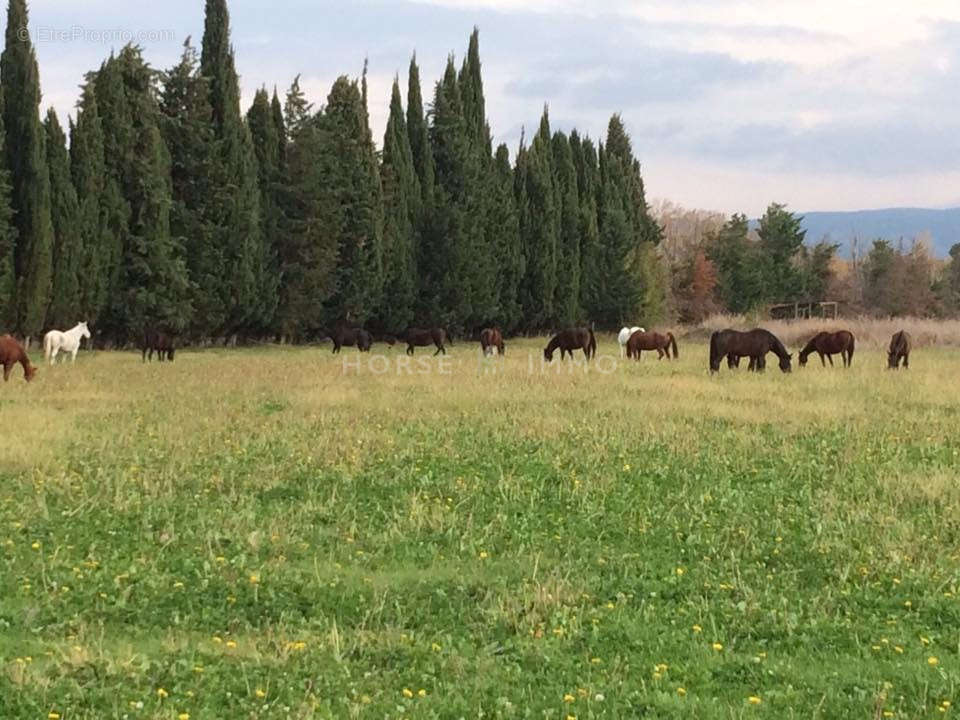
(67, 251)
(356, 182)
(419, 134)
(540, 229)
(509, 252)
(30, 182)
(187, 127)
(448, 284)
(266, 144)
(8, 236)
(567, 295)
(310, 221)
(401, 201)
(588, 181)
(241, 290)
(150, 286)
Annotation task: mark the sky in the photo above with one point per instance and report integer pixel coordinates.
(731, 104)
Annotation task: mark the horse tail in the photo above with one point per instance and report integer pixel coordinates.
(850, 349)
(593, 342)
(715, 352)
(47, 346)
(673, 344)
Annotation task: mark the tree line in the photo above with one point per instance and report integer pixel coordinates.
(163, 205)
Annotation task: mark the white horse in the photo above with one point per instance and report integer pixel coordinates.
(69, 342)
(624, 337)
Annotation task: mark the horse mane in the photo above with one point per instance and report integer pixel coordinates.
(778, 347)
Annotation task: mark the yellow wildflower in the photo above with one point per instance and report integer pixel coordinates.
(422, 693)
(681, 691)
(161, 693)
(754, 700)
(53, 716)
(697, 629)
(680, 571)
(568, 698)
(717, 646)
(932, 661)
(183, 716)
(254, 579)
(407, 693)
(260, 693)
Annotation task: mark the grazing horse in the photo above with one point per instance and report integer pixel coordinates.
(419, 337)
(69, 342)
(900, 345)
(652, 341)
(163, 344)
(829, 344)
(351, 337)
(624, 337)
(11, 353)
(754, 344)
(570, 340)
(491, 340)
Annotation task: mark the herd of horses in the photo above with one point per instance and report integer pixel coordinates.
(729, 345)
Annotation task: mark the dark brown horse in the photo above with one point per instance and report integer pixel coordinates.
(344, 336)
(419, 337)
(11, 353)
(640, 341)
(491, 340)
(828, 344)
(163, 344)
(570, 340)
(754, 344)
(900, 345)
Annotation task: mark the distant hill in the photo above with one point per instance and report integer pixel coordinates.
(889, 224)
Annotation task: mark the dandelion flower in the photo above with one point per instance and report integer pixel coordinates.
(53, 716)
(697, 629)
(183, 716)
(718, 646)
(422, 693)
(483, 555)
(254, 579)
(161, 693)
(680, 571)
(436, 647)
(681, 691)
(568, 698)
(260, 693)
(36, 546)
(932, 661)
(407, 693)
(754, 700)
(231, 643)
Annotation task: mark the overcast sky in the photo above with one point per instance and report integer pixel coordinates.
(732, 104)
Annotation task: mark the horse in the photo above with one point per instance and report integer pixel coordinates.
(419, 337)
(491, 341)
(624, 337)
(829, 344)
(161, 342)
(754, 344)
(351, 337)
(652, 341)
(11, 353)
(69, 342)
(900, 346)
(570, 340)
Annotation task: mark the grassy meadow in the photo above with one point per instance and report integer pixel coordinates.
(281, 533)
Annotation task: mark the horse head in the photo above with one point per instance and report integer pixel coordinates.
(802, 358)
(84, 330)
(785, 363)
(28, 372)
(548, 354)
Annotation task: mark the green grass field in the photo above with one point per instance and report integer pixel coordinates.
(270, 534)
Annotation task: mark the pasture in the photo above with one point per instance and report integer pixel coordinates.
(284, 533)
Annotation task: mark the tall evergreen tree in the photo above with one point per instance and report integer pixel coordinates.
(8, 279)
(419, 134)
(30, 181)
(188, 129)
(356, 182)
(567, 295)
(267, 137)
(591, 262)
(401, 201)
(310, 221)
(780, 240)
(244, 288)
(150, 285)
(539, 229)
(509, 252)
(67, 250)
(739, 282)
(89, 177)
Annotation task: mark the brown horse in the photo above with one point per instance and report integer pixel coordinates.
(11, 353)
(163, 344)
(640, 341)
(418, 337)
(491, 340)
(570, 340)
(754, 344)
(351, 337)
(829, 344)
(900, 346)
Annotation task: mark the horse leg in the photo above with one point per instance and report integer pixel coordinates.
(830, 358)
(7, 367)
(409, 349)
(73, 357)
